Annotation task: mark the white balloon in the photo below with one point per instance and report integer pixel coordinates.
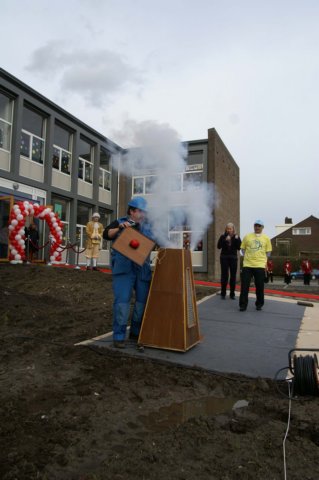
(55, 224)
(20, 217)
(17, 237)
(52, 258)
(14, 251)
(17, 257)
(56, 254)
(11, 227)
(14, 222)
(21, 242)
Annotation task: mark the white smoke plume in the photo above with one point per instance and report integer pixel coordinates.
(156, 149)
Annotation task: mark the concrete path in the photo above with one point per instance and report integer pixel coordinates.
(251, 343)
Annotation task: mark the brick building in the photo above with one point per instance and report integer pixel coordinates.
(298, 240)
(50, 157)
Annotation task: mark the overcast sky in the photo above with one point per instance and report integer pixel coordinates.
(249, 68)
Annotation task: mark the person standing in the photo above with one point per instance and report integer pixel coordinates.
(270, 270)
(255, 247)
(306, 267)
(31, 242)
(287, 271)
(94, 232)
(127, 275)
(229, 244)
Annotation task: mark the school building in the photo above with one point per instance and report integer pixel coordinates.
(50, 157)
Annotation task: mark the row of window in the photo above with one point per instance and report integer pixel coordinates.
(32, 144)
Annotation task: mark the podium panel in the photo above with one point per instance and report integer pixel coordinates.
(170, 319)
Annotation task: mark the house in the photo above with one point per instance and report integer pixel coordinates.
(298, 240)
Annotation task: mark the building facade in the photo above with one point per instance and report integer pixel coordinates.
(49, 157)
(298, 240)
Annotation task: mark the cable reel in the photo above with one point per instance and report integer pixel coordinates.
(305, 371)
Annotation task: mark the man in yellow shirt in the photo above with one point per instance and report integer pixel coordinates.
(255, 247)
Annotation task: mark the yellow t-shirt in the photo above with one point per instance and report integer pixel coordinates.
(255, 247)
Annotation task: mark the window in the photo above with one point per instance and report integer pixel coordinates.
(62, 146)
(32, 135)
(83, 216)
(85, 161)
(105, 170)
(61, 207)
(284, 247)
(105, 219)
(301, 231)
(179, 231)
(138, 185)
(6, 113)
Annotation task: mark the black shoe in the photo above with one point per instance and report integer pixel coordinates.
(222, 297)
(88, 268)
(242, 309)
(119, 344)
(232, 296)
(95, 268)
(258, 308)
(133, 336)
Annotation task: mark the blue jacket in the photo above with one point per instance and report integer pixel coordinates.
(122, 264)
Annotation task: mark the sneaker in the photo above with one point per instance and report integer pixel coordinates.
(119, 344)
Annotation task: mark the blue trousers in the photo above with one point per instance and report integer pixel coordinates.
(123, 286)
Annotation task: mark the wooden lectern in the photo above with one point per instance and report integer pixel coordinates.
(170, 319)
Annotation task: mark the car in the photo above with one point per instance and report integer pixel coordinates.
(299, 274)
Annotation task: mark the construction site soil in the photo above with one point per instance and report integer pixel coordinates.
(79, 413)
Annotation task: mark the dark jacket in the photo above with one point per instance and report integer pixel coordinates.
(229, 249)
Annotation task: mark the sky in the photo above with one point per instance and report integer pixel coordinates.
(248, 68)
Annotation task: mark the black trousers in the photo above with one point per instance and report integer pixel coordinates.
(259, 278)
(306, 278)
(228, 264)
(287, 278)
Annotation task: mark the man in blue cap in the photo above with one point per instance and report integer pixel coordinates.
(255, 247)
(127, 275)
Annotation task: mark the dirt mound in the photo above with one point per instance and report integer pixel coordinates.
(87, 414)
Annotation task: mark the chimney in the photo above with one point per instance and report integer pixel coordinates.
(288, 220)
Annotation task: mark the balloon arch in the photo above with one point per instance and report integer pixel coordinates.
(18, 214)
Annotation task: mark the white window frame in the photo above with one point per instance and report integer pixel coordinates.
(86, 164)
(60, 160)
(301, 231)
(82, 234)
(32, 136)
(104, 183)
(8, 123)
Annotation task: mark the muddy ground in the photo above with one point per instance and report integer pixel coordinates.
(70, 412)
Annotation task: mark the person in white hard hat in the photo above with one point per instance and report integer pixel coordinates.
(94, 232)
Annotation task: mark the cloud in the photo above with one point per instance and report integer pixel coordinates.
(94, 75)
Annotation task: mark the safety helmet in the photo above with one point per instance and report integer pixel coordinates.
(138, 202)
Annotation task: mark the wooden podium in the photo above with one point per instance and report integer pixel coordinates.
(170, 319)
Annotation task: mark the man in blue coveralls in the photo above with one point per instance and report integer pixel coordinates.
(127, 275)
